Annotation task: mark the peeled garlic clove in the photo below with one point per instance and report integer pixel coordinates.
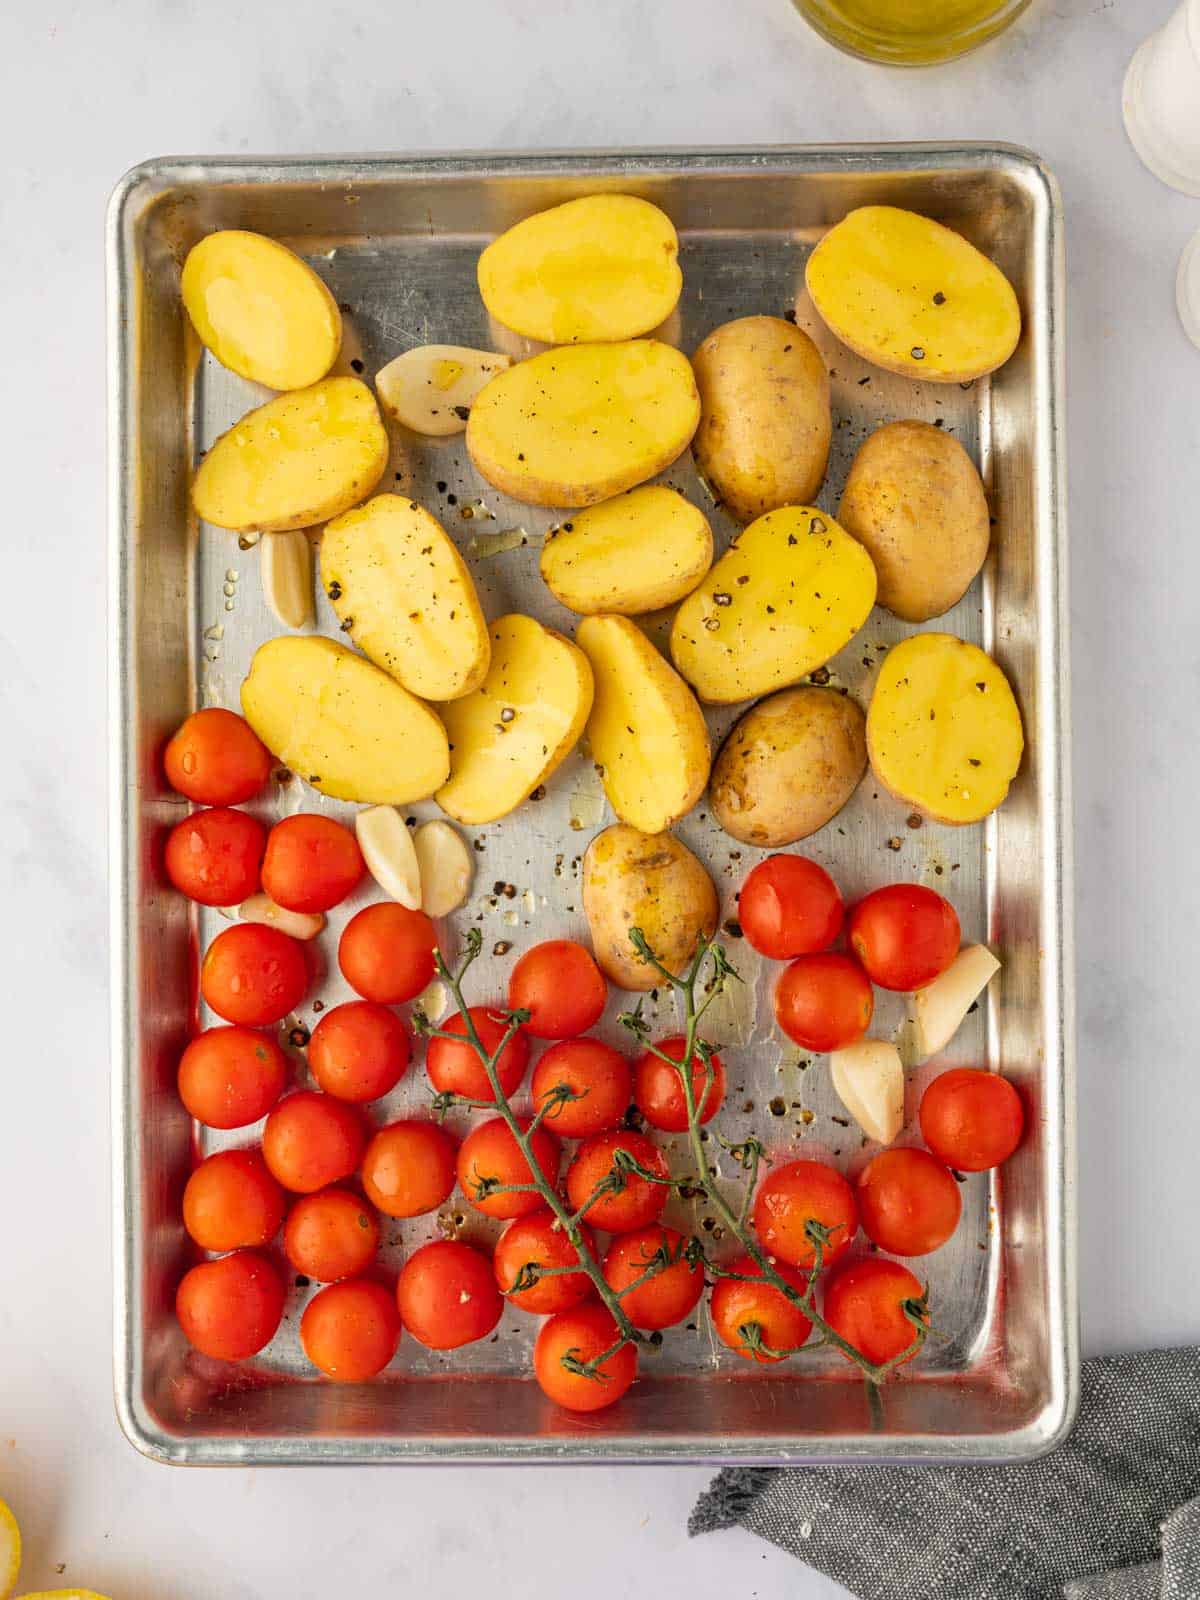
(387, 847)
(300, 924)
(446, 868)
(431, 389)
(939, 1008)
(286, 565)
(869, 1081)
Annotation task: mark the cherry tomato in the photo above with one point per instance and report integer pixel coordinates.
(253, 974)
(231, 1201)
(311, 1140)
(789, 906)
(331, 1235)
(667, 1297)
(736, 1306)
(638, 1202)
(216, 758)
(491, 1152)
(792, 1196)
(594, 1071)
(455, 1068)
(408, 1168)
(584, 1332)
(358, 1051)
(560, 986)
(214, 857)
(447, 1295)
(658, 1088)
(971, 1120)
(904, 935)
(538, 1240)
(230, 1308)
(350, 1330)
(864, 1303)
(824, 1002)
(229, 1077)
(907, 1202)
(386, 953)
(312, 863)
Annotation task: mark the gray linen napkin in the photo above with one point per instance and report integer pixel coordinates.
(1112, 1515)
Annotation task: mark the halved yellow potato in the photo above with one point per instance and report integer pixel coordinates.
(300, 459)
(943, 729)
(646, 732)
(262, 311)
(10, 1551)
(629, 555)
(508, 736)
(343, 725)
(431, 389)
(573, 426)
(791, 591)
(913, 296)
(602, 267)
(404, 595)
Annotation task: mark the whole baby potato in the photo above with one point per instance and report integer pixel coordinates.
(763, 439)
(789, 765)
(649, 881)
(915, 500)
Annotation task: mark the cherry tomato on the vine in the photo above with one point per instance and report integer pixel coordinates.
(455, 1068)
(231, 1076)
(331, 1235)
(491, 1153)
(561, 987)
(789, 906)
(386, 953)
(408, 1168)
(253, 974)
(311, 1140)
(658, 1087)
(538, 1240)
(582, 1333)
(231, 1201)
(230, 1308)
(447, 1295)
(637, 1201)
(905, 935)
(908, 1203)
(312, 863)
(972, 1120)
(756, 1319)
(600, 1076)
(358, 1051)
(792, 1196)
(672, 1291)
(350, 1330)
(215, 857)
(864, 1302)
(215, 758)
(824, 1002)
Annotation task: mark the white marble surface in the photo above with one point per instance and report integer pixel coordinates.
(89, 90)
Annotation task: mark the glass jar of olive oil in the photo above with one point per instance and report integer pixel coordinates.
(909, 33)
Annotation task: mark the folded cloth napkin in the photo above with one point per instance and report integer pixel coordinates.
(1114, 1514)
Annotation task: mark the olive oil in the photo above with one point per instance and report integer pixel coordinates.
(910, 32)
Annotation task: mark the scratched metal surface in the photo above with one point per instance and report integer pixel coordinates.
(997, 1380)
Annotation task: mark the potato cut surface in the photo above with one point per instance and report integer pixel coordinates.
(629, 555)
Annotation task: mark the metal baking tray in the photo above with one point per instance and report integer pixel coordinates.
(397, 241)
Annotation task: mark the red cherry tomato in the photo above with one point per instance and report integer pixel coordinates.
(490, 1152)
(230, 1308)
(666, 1297)
(737, 1308)
(350, 1330)
(537, 1240)
(904, 935)
(253, 974)
(408, 1168)
(386, 953)
(792, 1196)
(331, 1235)
(585, 1332)
(447, 1295)
(229, 1077)
(789, 906)
(824, 1002)
(560, 986)
(311, 1140)
(232, 1201)
(638, 1202)
(971, 1120)
(358, 1051)
(594, 1071)
(864, 1302)
(908, 1203)
(216, 759)
(214, 857)
(312, 863)
(658, 1088)
(455, 1068)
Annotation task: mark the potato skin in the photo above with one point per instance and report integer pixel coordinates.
(789, 765)
(915, 500)
(763, 439)
(647, 881)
